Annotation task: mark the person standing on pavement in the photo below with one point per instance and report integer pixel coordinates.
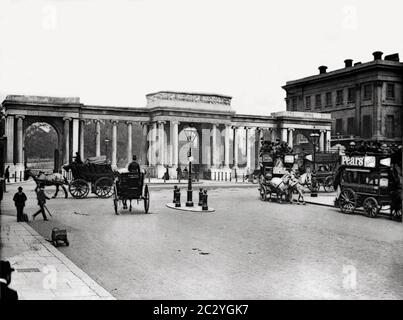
(7, 174)
(41, 203)
(19, 201)
(5, 279)
(134, 166)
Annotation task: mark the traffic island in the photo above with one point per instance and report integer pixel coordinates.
(191, 209)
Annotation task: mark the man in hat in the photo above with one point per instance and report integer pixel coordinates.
(41, 202)
(19, 201)
(134, 166)
(5, 279)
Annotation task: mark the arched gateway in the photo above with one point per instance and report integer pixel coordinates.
(225, 140)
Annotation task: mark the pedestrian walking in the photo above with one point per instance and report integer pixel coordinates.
(7, 174)
(19, 201)
(41, 203)
(5, 279)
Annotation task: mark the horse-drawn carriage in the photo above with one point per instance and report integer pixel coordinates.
(98, 177)
(370, 182)
(323, 173)
(130, 186)
(277, 176)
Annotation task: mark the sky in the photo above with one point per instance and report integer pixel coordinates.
(113, 53)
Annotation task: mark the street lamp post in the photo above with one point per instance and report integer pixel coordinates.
(314, 137)
(190, 133)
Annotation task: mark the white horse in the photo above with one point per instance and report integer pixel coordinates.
(51, 179)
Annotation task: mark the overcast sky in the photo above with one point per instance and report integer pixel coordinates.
(115, 52)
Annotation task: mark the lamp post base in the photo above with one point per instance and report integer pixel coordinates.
(189, 202)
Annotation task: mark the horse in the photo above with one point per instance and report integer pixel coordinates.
(280, 185)
(52, 179)
(305, 180)
(295, 185)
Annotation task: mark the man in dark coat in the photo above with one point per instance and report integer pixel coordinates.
(7, 174)
(19, 201)
(134, 166)
(5, 279)
(41, 203)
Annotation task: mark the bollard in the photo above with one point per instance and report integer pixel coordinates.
(226, 176)
(230, 176)
(20, 176)
(215, 176)
(243, 177)
(204, 205)
(175, 191)
(149, 178)
(15, 176)
(200, 197)
(178, 198)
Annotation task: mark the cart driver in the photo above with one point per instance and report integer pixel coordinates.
(134, 166)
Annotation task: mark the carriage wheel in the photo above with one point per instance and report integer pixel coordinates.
(371, 207)
(396, 213)
(328, 184)
(79, 188)
(262, 192)
(104, 187)
(146, 199)
(348, 201)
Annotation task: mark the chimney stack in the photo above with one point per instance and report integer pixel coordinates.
(348, 63)
(377, 55)
(322, 69)
(393, 57)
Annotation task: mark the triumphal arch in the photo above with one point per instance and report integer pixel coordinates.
(225, 141)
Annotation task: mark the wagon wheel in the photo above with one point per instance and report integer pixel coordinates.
(328, 184)
(104, 187)
(396, 213)
(348, 201)
(263, 193)
(146, 199)
(79, 188)
(371, 207)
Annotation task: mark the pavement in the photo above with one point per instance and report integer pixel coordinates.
(41, 271)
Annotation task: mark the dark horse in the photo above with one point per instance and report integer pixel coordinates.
(52, 179)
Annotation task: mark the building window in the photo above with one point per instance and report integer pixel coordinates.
(390, 91)
(339, 97)
(351, 126)
(294, 104)
(368, 92)
(339, 126)
(390, 126)
(328, 99)
(367, 126)
(308, 102)
(318, 101)
(351, 95)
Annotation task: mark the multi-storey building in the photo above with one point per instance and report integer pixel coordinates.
(364, 99)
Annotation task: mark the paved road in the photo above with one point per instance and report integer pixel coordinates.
(247, 249)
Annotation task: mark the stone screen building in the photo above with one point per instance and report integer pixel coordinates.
(364, 99)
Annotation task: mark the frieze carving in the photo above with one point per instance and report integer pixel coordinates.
(190, 98)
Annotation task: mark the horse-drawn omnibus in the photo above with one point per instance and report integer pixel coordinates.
(368, 181)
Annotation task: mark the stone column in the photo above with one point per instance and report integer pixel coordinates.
(327, 142)
(226, 145)
(76, 131)
(97, 138)
(144, 150)
(174, 143)
(284, 134)
(153, 144)
(249, 134)
(377, 114)
(290, 137)
(129, 141)
(66, 134)
(161, 144)
(236, 143)
(322, 141)
(82, 124)
(10, 139)
(114, 144)
(20, 159)
(214, 145)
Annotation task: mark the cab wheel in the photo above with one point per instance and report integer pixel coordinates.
(348, 201)
(371, 207)
(263, 193)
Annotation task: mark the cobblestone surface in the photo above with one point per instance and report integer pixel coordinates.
(246, 249)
